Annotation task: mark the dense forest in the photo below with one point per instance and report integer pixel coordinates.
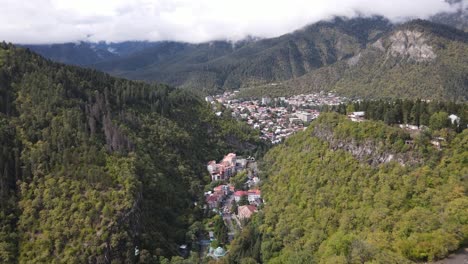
(95, 168)
(433, 114)
(349, 192)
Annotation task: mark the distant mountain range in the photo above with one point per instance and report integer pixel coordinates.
(365, 57)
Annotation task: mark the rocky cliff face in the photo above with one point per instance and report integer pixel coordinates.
(411, 44)
(369, 151)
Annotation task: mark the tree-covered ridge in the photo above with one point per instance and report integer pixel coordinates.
(433, 114)
(418, 59)
(324, 205)
(101, 165)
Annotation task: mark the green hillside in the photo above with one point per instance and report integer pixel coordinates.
(418, 59)
(344, 192)
(93, 166)
(433, 65)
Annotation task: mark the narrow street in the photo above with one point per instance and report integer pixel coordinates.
(227, 217)
(221, 197)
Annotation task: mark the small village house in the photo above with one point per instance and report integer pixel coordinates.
(246, 211)
(238, 195)
(223, 170)
(357, 116)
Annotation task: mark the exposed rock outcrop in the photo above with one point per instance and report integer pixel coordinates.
(369, 151)
(411, 44)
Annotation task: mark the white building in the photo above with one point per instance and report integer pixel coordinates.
(304, 116)
(266, 100)
(253, 195)
(454, 119)
(357, 116)
(209, 99)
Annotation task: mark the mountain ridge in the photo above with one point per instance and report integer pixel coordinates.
(313, 58)
(427, 59)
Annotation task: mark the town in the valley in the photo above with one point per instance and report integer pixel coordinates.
(277, 118)
(235, 197)
(234, 194)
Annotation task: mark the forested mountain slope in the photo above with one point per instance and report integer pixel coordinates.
(81, 53)
(361, 57)
(87, 53)
(223, 65)
(345, 192)
(418, 59)
(93, 166)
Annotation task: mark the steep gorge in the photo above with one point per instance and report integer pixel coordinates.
(93, 167)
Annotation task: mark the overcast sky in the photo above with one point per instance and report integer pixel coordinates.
(57, 21)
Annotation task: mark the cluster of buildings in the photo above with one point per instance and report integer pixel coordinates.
(277, 118)
(219, 193)
(253, 196)
(224, 195)
(227, 168)
(315, 99)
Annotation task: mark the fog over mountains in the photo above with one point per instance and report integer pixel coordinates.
(357, 57)
(327, 55)
(45, 22)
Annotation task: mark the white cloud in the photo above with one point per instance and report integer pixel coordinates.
(55, 21)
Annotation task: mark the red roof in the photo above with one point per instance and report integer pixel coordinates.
(251, 208)
(218, 188)
(241, 193)
(212, 198)
(258, 192)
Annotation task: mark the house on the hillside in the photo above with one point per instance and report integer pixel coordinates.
(266, 100)
(454, 119)
(304, 116)
(254, 195)
(222, 190)
(246, 211)
(213, 200)
(223, 170)
(357, 116)
(238, 195)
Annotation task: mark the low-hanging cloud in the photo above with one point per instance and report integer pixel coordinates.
(57, 21)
